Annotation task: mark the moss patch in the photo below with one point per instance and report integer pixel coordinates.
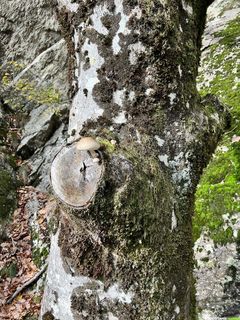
(10, 271)
(39, 255)
(26, 91)
(219, 190)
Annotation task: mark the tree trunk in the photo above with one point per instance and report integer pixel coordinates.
(123, 249)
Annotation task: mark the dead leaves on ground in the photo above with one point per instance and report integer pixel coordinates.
(16, 260)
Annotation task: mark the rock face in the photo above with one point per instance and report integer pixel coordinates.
(217, 218)
(42, 124)
(37, 55)
(218, 278)
(37, 43)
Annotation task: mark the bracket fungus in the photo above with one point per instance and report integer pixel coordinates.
(75, 173)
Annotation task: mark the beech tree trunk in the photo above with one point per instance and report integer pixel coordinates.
(127, 253)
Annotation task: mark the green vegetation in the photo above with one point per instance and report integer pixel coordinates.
(39, 250)
(107, 145)
(219, 191)
(39, 255)
(10, 271)
(26, 90)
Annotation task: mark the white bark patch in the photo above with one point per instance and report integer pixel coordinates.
(76, 43)
(180, 71)
(181, 171)
(208, 315)
(84, 106)
(60, 285)
(115, 293)
(164, 159)
(111, 316)
(120, 118)
(137, 12)
(138, 137)
(187, 7)
(135, 50)
(174, 221)
(160, 141)
(215, 116)
(131, 95)
(98, 13)
(122, 26)
(123, 29)
(149, 91)
(118, 97)
(172, 97)
(73, 7)
(177, 309)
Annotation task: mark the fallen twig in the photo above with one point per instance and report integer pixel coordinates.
(26, 284)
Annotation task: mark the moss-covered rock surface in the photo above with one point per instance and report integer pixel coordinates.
(216, 222)
(217, 199)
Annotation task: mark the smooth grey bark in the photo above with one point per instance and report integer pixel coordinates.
(133, 67)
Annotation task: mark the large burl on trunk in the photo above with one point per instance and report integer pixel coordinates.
(126, 252)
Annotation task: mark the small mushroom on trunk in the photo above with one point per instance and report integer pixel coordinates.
(89, 144)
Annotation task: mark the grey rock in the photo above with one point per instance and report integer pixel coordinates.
(217, 274)
(42, 124)
(41, 160)
(38, 45)
(217, 24)
(220, 13)
(35, 43)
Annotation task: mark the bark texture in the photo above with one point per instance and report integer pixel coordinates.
(133, 67)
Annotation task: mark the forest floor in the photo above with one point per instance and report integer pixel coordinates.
(21, 258)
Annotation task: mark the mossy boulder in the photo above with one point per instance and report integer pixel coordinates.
(216, 221)
(219, 190)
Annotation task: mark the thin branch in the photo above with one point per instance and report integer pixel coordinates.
(26, 284)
